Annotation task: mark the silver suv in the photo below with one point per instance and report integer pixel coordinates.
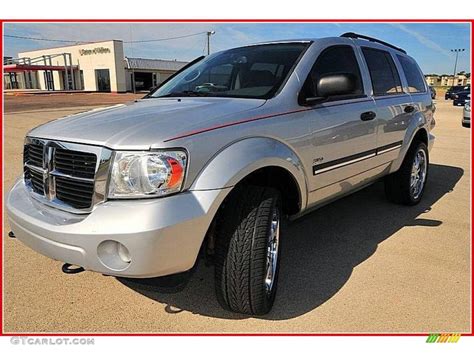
(219, 155)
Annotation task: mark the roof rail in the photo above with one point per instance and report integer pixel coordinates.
(371, 39)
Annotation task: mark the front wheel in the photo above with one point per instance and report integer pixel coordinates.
(407, 185)
(247, 250)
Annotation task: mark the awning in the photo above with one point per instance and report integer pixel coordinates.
(11, 68)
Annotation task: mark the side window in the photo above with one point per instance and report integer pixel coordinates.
(383, 73)
(416, 83)
(334, 60)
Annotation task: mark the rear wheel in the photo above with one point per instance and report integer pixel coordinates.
(407, 185)
(247, 250)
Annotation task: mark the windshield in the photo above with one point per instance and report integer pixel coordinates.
(247, 72)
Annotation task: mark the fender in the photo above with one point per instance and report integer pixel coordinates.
(416, 124)
(243, 157)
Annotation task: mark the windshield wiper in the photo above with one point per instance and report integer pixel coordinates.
(186, 93)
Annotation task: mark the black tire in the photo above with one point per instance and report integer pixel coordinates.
(243, 231)
(397, 185)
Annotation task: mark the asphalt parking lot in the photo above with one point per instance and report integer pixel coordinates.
(360, 264)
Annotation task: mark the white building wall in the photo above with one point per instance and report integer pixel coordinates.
(88, 57)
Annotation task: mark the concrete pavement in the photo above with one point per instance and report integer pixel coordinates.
(360, 264)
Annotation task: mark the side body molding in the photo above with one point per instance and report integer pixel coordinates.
(238, 160)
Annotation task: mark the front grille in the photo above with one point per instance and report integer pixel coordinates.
(60, 174)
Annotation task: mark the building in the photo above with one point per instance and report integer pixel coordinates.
(148, 73)
(98, 66)
(448, 80)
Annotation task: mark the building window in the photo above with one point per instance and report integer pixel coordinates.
(81, 78)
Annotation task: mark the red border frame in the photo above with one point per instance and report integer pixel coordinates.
(224, 21)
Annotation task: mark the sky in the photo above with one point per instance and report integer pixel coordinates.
(428, 43)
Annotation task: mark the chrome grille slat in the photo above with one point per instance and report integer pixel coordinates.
(71, 177)
(34, 167)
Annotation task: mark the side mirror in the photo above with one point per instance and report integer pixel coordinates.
(336, 84)
(332, 85)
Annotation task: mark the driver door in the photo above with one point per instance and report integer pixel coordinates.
(343, 128)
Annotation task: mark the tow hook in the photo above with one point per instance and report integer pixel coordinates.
(11, 235)
(70, 269)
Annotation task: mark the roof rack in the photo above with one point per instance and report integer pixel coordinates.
(371, 39)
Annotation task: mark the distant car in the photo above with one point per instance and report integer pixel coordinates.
(433, 92)
(461, 97)
(453, 90)
(466, 118)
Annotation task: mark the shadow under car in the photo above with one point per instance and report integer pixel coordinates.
(319, 251)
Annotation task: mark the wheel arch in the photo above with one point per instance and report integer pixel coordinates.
(258, 161)
(417, 130)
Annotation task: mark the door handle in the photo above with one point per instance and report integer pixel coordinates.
(409, 109)
(367, 116)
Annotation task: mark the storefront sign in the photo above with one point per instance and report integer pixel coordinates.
(97, 50)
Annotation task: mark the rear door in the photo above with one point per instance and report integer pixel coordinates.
(394, 106)
(416, 86)
(342, 128)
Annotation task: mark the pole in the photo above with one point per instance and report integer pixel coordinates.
(208, 43)
(73, 79)
(128, 62)
(457, 51)
(209, 34)
(455, 66)
(66, 75)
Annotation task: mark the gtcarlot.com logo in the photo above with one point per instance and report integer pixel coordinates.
(51, 341)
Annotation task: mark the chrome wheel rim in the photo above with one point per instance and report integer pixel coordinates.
(272, 251)
(418, 174)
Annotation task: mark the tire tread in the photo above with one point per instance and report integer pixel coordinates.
(241, 250)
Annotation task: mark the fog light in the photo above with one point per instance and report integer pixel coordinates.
(114, 255)
(123, 253)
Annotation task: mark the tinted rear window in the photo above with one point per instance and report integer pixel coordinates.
(383, 73)
(416, 82)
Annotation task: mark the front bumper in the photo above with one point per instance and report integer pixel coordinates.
(163, 235)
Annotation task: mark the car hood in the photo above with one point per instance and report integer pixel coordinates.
(145, 123)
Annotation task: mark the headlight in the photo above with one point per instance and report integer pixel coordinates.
(147, 174)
